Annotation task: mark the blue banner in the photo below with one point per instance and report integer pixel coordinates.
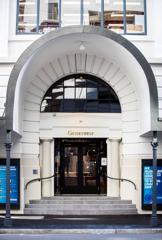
(147, 188)
(14, 184)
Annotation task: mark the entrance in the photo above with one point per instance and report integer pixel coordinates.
(78, 166)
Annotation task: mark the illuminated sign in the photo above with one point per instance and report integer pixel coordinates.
(14, 183)
(147, 171)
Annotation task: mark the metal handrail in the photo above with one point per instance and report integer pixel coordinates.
(38, 179)
(123, 179)
(52, 176)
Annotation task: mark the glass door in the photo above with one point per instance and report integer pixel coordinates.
(78, 166)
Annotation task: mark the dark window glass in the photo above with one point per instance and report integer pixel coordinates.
(92, 106)
(104, 106)
(69, 105)
(80, 106)
(80, 93)
(104, 93)
(92, 93)
(57, 106)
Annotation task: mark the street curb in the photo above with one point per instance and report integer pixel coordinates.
(82, 231)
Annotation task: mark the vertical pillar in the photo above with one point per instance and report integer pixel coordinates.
(154, 217)
(52, 165)
(113, 186)
(8, 144)
(46, 167)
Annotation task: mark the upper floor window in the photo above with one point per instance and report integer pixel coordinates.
(37, 16)
(80, 93)
(121, 16)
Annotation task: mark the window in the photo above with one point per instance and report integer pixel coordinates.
(80, 93)
(121, 16)
(125, 16)
(37, 16)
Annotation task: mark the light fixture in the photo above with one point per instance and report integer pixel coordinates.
(81, 47)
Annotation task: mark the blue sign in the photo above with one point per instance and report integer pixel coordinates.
(148, 185)
(14, 193)
(147, 177)
(14, 184)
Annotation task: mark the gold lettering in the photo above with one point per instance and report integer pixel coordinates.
(76, 133)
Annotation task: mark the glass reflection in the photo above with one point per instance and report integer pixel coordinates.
(135, 16)
(92, 93)
(113, 16)
(80, 93)
(48, 15)
(27, 16)
(92, 12)
(70, 13)
(69, 93)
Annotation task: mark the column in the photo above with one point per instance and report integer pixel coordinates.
(113, 168)
(52, 165)
(46, 167)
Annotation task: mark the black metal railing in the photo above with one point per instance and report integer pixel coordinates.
(53, 176)
(38, 179)
(123, 179)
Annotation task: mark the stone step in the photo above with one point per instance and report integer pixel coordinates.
(57, 202)
(78, 212)
(81, 207)
(81, 197)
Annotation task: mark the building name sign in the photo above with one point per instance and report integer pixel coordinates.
(79, 133)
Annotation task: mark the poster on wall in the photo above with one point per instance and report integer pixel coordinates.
(14, 183)
(147, 171)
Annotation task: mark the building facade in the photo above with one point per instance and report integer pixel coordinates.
(81, 93)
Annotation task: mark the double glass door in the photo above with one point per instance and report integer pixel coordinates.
(79, 168)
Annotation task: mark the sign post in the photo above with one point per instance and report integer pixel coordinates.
(154, 217)
(8, 144)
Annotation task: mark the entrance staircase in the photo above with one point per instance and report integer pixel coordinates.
(80, 206)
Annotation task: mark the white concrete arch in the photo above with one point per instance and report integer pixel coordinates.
(102, 57)
(76, 63)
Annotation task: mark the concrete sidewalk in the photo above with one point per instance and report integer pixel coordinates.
(79, 225)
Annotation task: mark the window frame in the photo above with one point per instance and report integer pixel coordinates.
(82, 18)
(87, 103)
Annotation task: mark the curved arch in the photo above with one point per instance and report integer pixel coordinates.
(35, 46)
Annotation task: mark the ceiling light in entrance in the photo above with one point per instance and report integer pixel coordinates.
(81, 47)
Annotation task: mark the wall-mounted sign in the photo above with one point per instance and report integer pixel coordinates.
(80, 133)
(14, 183)
(147, 171)
(103, 161)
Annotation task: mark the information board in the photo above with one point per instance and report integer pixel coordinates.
(147, 177)
(14, 183)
